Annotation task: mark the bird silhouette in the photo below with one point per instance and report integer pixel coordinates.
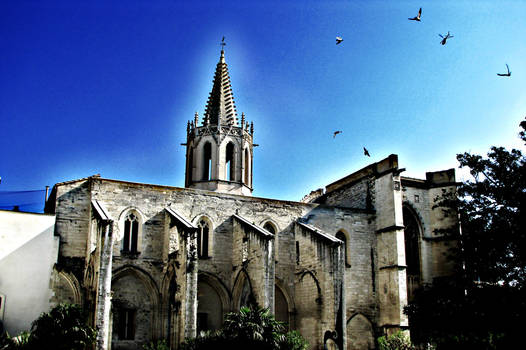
(336, 133)
(444, 38)
(505, 74)
(417, 18)
(366, 152)
(339, 39)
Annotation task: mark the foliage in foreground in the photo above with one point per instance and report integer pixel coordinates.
(156, 345)
(62, 328)
(251, 328)
(397, 341)
(484, 306)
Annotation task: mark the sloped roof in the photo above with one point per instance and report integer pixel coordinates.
(220, 107)
(256, 228)
(181, 219)
(320, 233)
(101, 211)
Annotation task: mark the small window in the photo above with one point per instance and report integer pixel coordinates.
(131, 233)
(342, 237)
(127, 324)
(207, 162)
(203, 234)
(297, 253)
(417, 198)
(270, 228)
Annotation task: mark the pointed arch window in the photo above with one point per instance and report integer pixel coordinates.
(207, 161)
(247, 168)
(203, 239)
(412, 251)
(346, 255)
(229, 162)
(131, 233)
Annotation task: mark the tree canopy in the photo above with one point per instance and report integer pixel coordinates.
(485, 303)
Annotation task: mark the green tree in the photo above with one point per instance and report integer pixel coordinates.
(485, 303)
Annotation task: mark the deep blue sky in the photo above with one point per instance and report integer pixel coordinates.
(107, 87)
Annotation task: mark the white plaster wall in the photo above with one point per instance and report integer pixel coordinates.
(28, 251)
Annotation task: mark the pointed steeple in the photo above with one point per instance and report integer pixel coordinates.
(220, 107)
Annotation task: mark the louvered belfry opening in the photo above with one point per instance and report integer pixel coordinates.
(220, 107)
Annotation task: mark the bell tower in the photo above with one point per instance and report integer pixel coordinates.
(219, 152)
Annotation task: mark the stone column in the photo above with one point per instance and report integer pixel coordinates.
(190, 330)
(102, 317)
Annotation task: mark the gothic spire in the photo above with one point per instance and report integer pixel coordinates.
(220, 107)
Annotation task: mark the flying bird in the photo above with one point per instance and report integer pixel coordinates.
(336, 133)
(444, 38)
(366, 152)
(338, 40)
(505, 74)
(417, 18)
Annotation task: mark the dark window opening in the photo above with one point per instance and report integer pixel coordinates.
(202, 239)
(126, 324)
(230, 162)
(269, 228)
(190, 166)
(297, 253)
(131, 233)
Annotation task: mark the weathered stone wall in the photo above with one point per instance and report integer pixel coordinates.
(435, 252)
(150, 201)
(73, 215)
(359, 195)
(375, 286)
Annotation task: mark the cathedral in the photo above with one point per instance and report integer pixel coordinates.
(154, 262)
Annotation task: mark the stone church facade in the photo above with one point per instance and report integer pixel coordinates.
(158, 262)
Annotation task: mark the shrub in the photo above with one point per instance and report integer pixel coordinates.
(157, 345)
(62, 328)
(397, 341)
(251, 328)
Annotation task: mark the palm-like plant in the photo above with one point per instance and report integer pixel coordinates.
(251, 328)
(254, 324)
(62, 328)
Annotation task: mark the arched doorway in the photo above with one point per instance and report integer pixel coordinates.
(210, 304)
(281, 307)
